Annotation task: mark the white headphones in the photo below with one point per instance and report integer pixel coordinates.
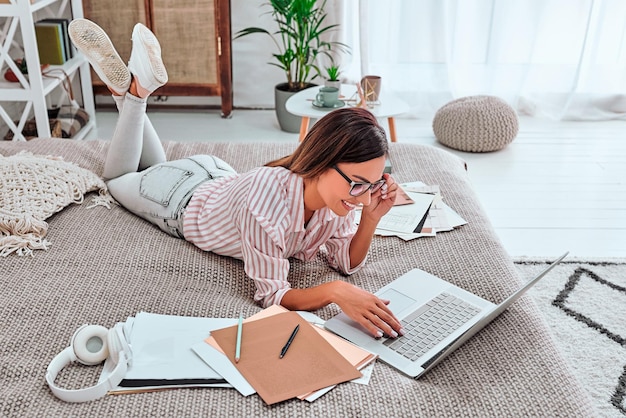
(91, 345)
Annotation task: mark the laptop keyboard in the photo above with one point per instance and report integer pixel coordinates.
(430, 324)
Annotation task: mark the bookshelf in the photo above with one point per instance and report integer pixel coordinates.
(31, 93)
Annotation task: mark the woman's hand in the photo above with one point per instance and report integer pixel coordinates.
(382, 201)
(366, 309)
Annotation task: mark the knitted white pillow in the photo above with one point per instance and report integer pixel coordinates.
(32, 188)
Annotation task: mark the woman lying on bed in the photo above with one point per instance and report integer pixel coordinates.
(289, 208)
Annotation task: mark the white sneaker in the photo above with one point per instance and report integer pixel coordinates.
(93, 42)
(145, 62)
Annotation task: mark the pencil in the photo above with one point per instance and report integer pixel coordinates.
(238, 347)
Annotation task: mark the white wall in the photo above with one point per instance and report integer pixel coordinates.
(253, 78)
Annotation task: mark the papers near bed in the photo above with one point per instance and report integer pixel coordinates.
(176, 351)
(357, 357)
(300, 371)
(162, 357)
(424, 217)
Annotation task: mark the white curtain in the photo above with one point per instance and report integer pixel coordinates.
(557, 59)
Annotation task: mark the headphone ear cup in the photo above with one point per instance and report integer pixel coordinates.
(90, 344)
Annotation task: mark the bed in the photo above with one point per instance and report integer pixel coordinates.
(104, 265)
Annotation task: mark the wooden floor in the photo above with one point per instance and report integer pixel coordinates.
(559, 186)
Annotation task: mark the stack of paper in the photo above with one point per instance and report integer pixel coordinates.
(299, 374)
(161, 353)
(419, 212)
(176, 351)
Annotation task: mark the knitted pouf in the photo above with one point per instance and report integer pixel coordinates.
(476, 124)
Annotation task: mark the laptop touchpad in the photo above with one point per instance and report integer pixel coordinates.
(398, 301)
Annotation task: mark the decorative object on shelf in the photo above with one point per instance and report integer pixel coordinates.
(67, 122)
(72, 120)
(27, 99)
(53, 112)
(30, 130)
(9, 74)
(476, 124)
(70, 116)
(299, 42)
(64, 82)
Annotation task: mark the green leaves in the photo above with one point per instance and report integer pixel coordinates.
(333, 72)
(300, 25)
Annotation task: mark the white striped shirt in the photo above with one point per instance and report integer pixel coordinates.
(258, 217)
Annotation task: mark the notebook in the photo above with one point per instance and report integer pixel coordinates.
(437, 316)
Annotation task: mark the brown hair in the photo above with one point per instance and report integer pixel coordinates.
(348, 135)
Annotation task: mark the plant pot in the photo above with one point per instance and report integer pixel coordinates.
(287, 121)
(333, 83)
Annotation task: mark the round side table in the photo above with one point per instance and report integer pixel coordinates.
(301, 104)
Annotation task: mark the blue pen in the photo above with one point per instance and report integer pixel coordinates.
(238, 347)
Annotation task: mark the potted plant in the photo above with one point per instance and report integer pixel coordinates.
(298, 42)
(332, 76)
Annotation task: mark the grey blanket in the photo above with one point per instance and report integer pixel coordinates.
(105, 265)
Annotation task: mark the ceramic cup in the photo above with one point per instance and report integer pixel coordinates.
(328, 96)
(371, 88)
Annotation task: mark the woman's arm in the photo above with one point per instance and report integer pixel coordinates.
(361, 241)
(363, 307)
(381, 202)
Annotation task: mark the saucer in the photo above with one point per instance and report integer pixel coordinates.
(318, 105)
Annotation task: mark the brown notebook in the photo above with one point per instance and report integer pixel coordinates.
(311, 363)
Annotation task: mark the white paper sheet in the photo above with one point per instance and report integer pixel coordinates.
(161, 346)
(223, 366)
(405, 218)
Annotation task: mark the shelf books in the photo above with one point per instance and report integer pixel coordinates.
(69, 52)
(53, 42)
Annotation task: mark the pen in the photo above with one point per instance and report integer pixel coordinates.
(238, 347)
(289, 341)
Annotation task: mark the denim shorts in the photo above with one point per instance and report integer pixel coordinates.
(160, 194)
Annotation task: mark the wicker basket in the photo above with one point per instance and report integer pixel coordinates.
(30, 130)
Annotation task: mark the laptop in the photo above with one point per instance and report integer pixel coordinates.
(438, 317)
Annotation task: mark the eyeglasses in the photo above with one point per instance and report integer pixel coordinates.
(357, 188)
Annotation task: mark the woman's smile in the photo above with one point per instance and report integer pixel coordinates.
(348, 205)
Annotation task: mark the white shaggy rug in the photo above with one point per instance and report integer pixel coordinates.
(584, 302)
